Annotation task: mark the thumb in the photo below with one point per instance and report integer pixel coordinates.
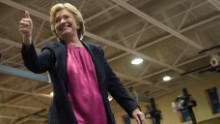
(27, 14)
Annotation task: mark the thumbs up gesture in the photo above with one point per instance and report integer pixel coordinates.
(26, 27)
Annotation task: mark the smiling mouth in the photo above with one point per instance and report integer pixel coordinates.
(64, 27)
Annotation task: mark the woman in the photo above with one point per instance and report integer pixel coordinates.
(80, 74)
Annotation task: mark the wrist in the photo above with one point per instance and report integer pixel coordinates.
(135, 111)
(27, 40)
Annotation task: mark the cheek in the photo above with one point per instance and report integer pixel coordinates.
(56, 28)
(74, 23)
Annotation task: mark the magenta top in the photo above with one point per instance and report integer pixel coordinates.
(83, 90)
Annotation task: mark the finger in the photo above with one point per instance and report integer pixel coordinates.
(23, 23)
(141, 117)
(27, 15)
(137, 119)
(24, 27)
(24, 30)
(142, 120)
(26, 23)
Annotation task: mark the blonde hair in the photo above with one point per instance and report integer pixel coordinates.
(76, 13)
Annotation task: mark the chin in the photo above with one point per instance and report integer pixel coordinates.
(66, 35)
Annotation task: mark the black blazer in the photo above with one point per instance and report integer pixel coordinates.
(53, 58)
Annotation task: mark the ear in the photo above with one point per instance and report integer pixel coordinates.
(78, 25)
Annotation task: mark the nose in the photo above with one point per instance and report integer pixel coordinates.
(62, 20)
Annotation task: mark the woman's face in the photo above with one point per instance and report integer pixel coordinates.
(65, 24)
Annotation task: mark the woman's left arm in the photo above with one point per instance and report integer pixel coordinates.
(120, 94)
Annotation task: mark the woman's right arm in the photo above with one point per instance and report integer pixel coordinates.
(35, 63)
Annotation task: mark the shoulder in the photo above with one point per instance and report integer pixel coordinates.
(52, 45)
(93, 46)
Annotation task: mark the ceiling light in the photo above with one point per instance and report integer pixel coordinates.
(167, 78)
(110, 98)
(136, 61)
(51, 94)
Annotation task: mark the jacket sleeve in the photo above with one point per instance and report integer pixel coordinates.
(118, 91)
(37, 63)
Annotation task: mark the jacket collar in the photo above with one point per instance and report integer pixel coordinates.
(99, 70)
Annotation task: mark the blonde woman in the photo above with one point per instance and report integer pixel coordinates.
(80, 74)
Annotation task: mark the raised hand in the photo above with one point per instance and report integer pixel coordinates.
(26, 27)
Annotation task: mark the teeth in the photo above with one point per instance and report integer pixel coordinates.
(64, 27)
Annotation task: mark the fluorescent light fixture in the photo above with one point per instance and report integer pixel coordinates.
(110, 98)
(51, 94)
(136, 61)
(167, 78)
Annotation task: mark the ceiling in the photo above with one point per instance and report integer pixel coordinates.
(167, 34)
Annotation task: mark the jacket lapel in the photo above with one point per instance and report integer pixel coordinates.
(96, 60)
(62, 56)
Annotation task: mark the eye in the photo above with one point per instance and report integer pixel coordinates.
(66, 16)
(57, 20)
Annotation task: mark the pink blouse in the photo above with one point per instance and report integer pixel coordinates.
(83, 90)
